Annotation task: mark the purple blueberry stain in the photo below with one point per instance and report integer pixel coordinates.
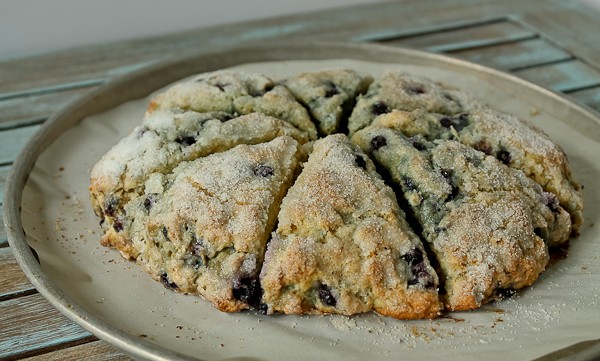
(550, 201)
(360, 161)
(416, 89)
(247, 289)
(504, 156)
(167, 283)
(149, 202)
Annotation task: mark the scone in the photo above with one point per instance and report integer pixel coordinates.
(165, 139)
(238, 93)
(486, 223)
(329, 95)
(513, 141)
(342, 245)
(203, 228)
(396, 90)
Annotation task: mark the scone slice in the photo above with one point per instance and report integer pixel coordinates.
(397, 90)
(236, 92)
(486, 223)
(203, 229)
(165, 139)
(515, 142)
(342, 245)
(329, 95)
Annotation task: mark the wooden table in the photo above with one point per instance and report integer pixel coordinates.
(553, 43)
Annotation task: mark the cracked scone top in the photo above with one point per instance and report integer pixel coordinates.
(194, 194)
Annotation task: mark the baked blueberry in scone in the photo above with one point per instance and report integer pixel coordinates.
(203, 228)
(165, 139)
(238, 93)
(396, 90)
(487, 224)
(342, 245)
(513, 141)
(329, 95)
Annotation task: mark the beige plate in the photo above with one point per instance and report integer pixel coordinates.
(47, 208)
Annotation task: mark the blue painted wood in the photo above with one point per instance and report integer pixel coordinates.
(566, 76)
(12, 141)
(30, 324)
(589, 97)
(516, 55)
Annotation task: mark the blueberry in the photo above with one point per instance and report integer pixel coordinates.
(263, 309)
(360, 161)
(483, 147)
(380, 107)
(197, 246)
(331, 90)
(326, 296)
(446, 122)
(117, 225)
(418, 145)
(461, 122)
(409, 184)
(110, 206)
(149, 201)
(446, 173)
(550, 201)
(263, 170)
(503, 293)
(247, 289)
(186, 140)
(416, 89)
(504, 156)
(165, 233)
(378, 142)
(453, 193)
(538, 231)
(413, 257)
(164, 279)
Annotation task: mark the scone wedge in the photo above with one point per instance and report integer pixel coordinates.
(342, 245)
(488, 225)
(203, 228)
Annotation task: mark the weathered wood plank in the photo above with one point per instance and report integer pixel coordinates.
(108, 60)
(469, 37)
(565, 76)
(570, 25)
(31, 325)
(13, 140)
(516, 55)
(590, 97)
(36, 108)
(4, 174)
(3, 240)
(13, 281)
(91, 351)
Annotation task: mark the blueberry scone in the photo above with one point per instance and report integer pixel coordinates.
(238, 93)
(203, 228)
(342, 245)
(329, 95)
(396, 90)
(487, 224)
(511, 140)
(165, 139)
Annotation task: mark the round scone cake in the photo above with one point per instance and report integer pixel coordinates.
(331, 192)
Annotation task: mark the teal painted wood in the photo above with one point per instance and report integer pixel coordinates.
(563, 77)
(3, 239)
(13, 282)
(30, 325)
(32, 109)
(515, 55)
(589, 97)
(4, 174)
(12, 142)
(473, 36)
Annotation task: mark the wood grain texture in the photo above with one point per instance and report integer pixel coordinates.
(565, 76)
(91, 351)
(468, 37)
(13, 282)
(515, 55)
(13, 141)
(73, 67)
(36, 108)
(30, 325)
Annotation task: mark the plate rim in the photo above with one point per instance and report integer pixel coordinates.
(141, 82)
